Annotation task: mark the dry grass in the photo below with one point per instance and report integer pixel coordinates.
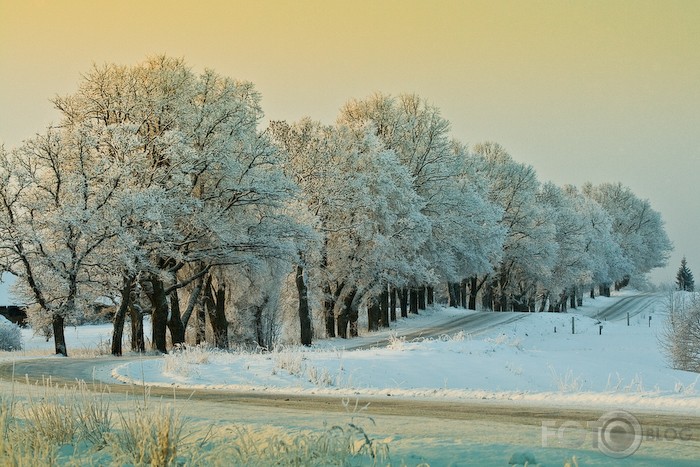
(74, 426)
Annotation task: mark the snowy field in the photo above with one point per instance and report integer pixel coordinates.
(523, 361)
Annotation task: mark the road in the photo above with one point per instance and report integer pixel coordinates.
(440, 432)
(472, 324)
(632, 305)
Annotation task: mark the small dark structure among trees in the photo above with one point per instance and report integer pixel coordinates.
(15, 314)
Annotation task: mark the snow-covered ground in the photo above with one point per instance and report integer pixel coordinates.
(523, 361)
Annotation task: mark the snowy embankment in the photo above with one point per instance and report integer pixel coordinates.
(524, 362)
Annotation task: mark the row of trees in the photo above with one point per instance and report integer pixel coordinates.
(160, 191)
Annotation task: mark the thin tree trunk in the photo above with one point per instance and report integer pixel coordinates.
(474, 287)
(328, 313)
(413, 305)
(403, 298)
(138, 339)
(201, 332)
(343, 320)
(373, 314)
(59, 336)
(259, 333)
(215, 304)
(392, 304)
(430, 290)
(451, 295)
(384, 308)
(120, 317)
(159, 314)
(463, 293)
(421, 298)
(354, 318)
(304, 310)
(543, 303)
(177, 329)
(192, 302)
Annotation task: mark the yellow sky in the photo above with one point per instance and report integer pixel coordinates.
(582, 90)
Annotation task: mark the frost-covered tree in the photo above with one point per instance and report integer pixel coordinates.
(57, 219)
(464, 225)
(574, 263)
(605, 258)
(637, 228)
(201, 187)
(530, 247)
(362, 204)
(684, 277)
(384, 244)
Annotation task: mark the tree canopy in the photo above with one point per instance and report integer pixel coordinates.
(161, 191)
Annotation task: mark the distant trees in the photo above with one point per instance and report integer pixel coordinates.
(684, 277)
(159, 191)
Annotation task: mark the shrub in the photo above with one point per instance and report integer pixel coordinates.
(680, 338)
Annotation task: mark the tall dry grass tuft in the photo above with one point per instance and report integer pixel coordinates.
(148, 437)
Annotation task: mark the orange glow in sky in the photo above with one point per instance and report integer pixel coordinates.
(582, 90)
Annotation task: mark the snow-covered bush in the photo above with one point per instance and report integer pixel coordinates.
(10, 335)
(681, 336)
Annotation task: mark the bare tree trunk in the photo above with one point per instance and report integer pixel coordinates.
(120, 317)
(430, 291)
(138, 340)
(177, 329)
(421, 298)
(343, 320)
(304, 309)
(59, 336)
(192, 302)
(373, 314)
(403, 298)
(259, 332)
(354, 315)
(413, 308)
(328, 307)
(543, 303)
(451, 295)
(159, 314)
(384, 308)
(215, 305)
(392, 304)
(474, 287)
(201, 332)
